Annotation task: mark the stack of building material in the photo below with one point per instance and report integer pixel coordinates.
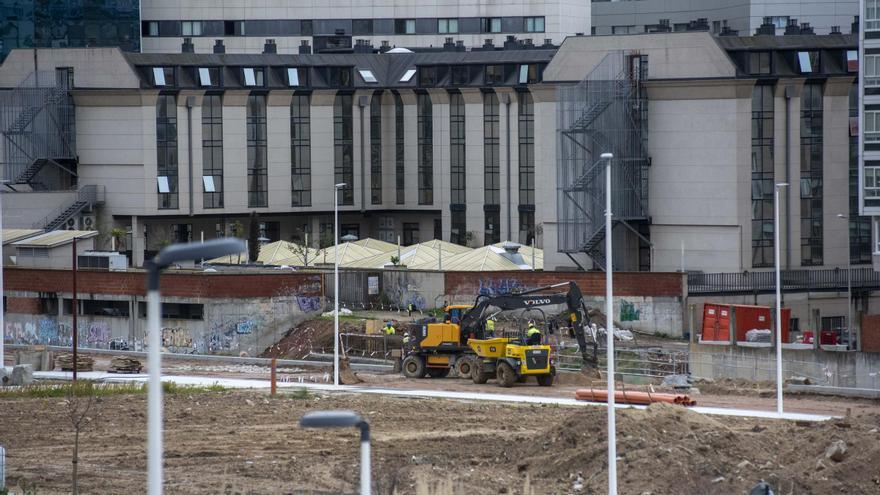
(124, 364)
(83, 363)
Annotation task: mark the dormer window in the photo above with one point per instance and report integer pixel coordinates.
(808, 62)
(163, 76)
(253, 76)
(367, 76)
(408, 75)
(209, 76)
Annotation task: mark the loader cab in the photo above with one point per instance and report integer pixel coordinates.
(456, 311)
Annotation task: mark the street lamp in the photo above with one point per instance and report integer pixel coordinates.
(169, 255)
(609, 331)
(849, 322)
(779, 186)
(336, 189)
(345, 419)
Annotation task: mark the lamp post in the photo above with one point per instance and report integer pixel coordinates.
(169, 255)
(345, 419)
(778, 297)
(849, 322)
(336, 189)
(609, 331)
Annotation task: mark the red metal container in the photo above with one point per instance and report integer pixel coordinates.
(717, 320)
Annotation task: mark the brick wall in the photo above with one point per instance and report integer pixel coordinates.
(23, 305)
(209, 285)
(871, 333)
(590, 283)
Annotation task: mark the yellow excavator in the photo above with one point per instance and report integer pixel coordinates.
(463, 343)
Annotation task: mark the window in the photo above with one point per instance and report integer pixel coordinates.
(427, 76)
(526, 129)
(872, 126)
(491, 153)
(410, 234)
(811, 175)
(759, 63)
(166, 151)
(460, 75)
(339, 77)
(408, 75)
(623, 29)
(234, 28)
(490, 25)
(447, 26)
(872, 182)
(399, 149)
(779, 21)
(376, 149)
(852, 60)
(458, 227)
(492, 227)
(209, 76)
(808, 62)
(872, 15)
(150, 28)
(716, 27)
(296, 77)
(163, 76)
(92, 307)
(367, 76)
(174, 311)
(191, 28)
(872, 70)
(343, 147)
(534, 24)
(360, 27)
(258, 180)
(426, 149)
(528, 74)
(212, 151)
(859, 226)
(763, 184)
(253, 76)
(494, 74)
(457, 150)
(678, 27)
(300, 151)
(404, 26)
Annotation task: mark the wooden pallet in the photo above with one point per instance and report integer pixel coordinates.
(131, 371)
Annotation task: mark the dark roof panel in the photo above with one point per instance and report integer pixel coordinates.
(789, 42)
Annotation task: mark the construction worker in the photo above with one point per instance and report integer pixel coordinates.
(389, 329)
(533, 335)
(406, 339)
(490, 327)
(410, 308)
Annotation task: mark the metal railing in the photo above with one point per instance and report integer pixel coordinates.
(87, 197)
(831, 279)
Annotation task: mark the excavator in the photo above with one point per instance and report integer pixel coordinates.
(437, 348)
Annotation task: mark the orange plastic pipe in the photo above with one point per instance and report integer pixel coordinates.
(627, 397)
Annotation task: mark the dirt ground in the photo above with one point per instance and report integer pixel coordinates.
(247, 442)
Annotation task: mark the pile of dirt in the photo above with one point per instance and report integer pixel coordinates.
(308, 336)
(736, 386)
(669, 449)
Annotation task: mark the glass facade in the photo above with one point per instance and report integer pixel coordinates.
(811, 190)
(258, 171)
(69, 23)
(426, 149)
(376, 149)
(491, 168)
(526, 112)
(166, 151)
(343, 147)
(763, 185)
(300, 151)
(399, 150)
(457, 176)
(859, 226)
(212, 151)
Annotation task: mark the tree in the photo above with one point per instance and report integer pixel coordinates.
(254, 237)
(119, 234)
(80, 398)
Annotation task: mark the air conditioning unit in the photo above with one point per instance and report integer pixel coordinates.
(70, 224)
(102, 260)
(88, 222)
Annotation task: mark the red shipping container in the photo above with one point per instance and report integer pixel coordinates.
(716, 322)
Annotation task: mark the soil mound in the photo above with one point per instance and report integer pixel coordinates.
(308, 336)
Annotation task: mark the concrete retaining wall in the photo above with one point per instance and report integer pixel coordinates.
(835, 368)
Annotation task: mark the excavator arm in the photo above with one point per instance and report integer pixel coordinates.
(472, 320)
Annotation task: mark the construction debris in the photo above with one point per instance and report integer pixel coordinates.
(627, 397)
(836, 451)
(65, 362)
(125, 364)
(22, 374)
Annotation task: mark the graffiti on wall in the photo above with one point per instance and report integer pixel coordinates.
(628, 311)
(500, 286)
(176, 338)
(308, 304)
(47, 331)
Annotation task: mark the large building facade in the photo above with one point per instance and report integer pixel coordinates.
(717, 16)
(333, 26)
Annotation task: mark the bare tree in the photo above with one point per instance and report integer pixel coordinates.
(80, 398)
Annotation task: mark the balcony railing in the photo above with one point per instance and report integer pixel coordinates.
(833, 279)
